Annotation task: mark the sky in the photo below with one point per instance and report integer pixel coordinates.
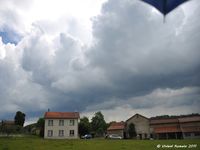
(113, 56)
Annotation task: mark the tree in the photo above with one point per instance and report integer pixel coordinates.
(19, 118)
(98, 124)
(40, 124)
(84, 126)
(131, 130)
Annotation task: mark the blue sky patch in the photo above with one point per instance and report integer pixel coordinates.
(9, 36)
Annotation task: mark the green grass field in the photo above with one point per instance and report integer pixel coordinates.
(35, 143)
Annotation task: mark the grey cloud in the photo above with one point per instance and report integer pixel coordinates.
(130, 57)
(136, 46)
(11, 14)
(134, 58)
(168, 98)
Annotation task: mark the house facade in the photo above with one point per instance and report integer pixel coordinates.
(141, 126)
(117, 128)
(61, 125)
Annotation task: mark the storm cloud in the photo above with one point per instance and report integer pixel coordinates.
(129, 62)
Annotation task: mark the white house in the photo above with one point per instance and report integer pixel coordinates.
(61, 125)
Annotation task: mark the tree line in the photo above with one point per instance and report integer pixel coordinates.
(97, 127)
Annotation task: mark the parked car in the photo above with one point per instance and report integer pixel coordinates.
(87, 136)
(114, 136)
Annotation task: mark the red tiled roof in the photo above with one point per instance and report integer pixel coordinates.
(137, 115)
(189, 119)
(61, 115)
(166, 129)
(116, 126)
(164, 121)
(8, 122)
(190, 129)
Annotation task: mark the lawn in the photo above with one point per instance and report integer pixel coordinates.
(35, 143)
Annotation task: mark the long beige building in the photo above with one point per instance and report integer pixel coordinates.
(178, 127)
(187, 127)
(61, 125)
(190, 127)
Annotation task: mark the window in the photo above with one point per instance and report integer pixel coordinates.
(197, 134)
(187, 134)
(71, 122)
(61, 132)
(61, 122)
(50, 133)
(50, 122)
(71, 133)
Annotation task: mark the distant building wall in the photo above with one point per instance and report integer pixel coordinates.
(190, 127)
(141, 126)
(166, 128)
(118, 132)
(176, 128)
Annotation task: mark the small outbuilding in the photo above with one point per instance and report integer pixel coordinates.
(117, 128)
